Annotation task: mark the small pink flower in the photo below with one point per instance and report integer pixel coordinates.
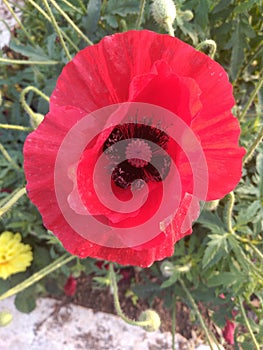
(70, 286)
(228, 332)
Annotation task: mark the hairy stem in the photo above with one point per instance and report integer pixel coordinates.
(139, 19)
(117, 302)
(252, 96)
(253, 147)
(15, 127)
(14, 197)
(200, 318)
(208, 43)
(32, 2)
(247, 323)
(18, 21)
(42, 63)
(229, 211)
(57, 29)
(8, 157)
(69, 20)
(173, 323)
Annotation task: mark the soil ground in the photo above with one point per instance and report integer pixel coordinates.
(102, 300)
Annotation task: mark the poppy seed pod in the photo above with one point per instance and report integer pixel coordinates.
(163, 11)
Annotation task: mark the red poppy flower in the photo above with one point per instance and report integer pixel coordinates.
(229, 331)
(70, 286)
(148, 69)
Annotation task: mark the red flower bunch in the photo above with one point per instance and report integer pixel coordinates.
(70, 286)
(229, 331)
(95, 95)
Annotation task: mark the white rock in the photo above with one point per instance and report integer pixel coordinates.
(54, 327)
(7, 22)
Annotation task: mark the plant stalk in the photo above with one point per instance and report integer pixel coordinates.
(248, 324)
(63, 260)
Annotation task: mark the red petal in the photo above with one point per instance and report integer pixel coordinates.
(218, 137)
(147, 67)
(163, 88)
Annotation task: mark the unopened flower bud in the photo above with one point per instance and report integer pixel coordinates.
(70, 286)
(212, 205)
(164, 11)
(167, 268)
(38, 118)
(5, 318)
(153, 318)
(187, 15)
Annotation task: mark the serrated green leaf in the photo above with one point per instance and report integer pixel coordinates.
(217, 248)
(93, 16)
(122, 7)
(212, 221)
(227, 279)
(170, 281)
(201, 13)
(245, 6)
(146, 290)
(247, 214)
(34, 53)
(111, 20)
(238, 42)
(222, 5)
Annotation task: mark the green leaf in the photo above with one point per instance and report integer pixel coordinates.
(34, 53)
(93, 16)
(122, 7)
(201, 13)
(248, 214)
(245, 6)
(216, 249)
(171, 280)
(222, 5)
(146, 290)
(225, 278)
(212, 221)
(25, 301)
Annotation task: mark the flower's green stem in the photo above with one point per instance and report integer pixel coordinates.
(63, 260)
(69, 20)
(13, 198)
(252, 96)
(32, 2)
(8, 157)
(117, 302)
(139, 19)
(248, 324)
(169, 27)
(72, 6)
(229, 211)
(173, 323)
(81, 4)
(209, 43)
(253, 147)
(200, 318)
(33, 116)
(15, 127)
(18, 21)
(57, 29)
(44, 63)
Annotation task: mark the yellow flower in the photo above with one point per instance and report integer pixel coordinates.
(14, 255)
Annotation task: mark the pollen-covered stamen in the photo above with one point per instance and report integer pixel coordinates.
(138, 153)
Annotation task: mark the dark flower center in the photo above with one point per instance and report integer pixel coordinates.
(141, 158)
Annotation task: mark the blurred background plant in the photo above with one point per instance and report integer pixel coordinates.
(217, 271)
